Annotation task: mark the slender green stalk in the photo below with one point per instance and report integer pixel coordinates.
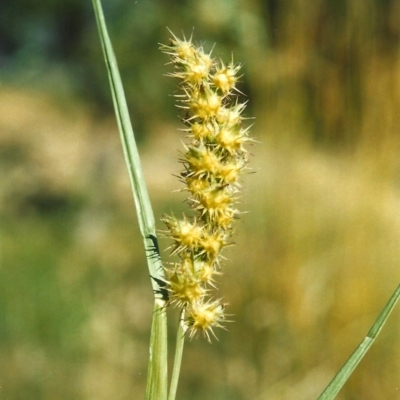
(142, 202)
(157, 373)
(180, 341)
(341, 377)
(157, 384)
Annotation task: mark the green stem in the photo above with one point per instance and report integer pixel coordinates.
(180, 341)
(157, 373)
(341, 377)
(132, 159)
(157, 379)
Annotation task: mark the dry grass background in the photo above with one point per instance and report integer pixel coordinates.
(316, 257)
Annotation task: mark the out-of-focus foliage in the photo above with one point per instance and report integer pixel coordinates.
(315, 259)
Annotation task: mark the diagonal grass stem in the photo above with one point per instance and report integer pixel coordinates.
(157, 372)
(344, 373)
(180, 341)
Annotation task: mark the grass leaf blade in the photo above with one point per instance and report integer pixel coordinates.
(180, 341)
(341, 377)
(157, 379)
(142, 201)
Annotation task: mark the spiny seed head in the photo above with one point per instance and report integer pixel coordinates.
(183, 50)
(184, 285)
(231, 138)
(225, 77)
(203, 270)
(224, 218)
(229, 171)
(231, 115)
(216, 200)
(197, 69)
(193, 70)
(202, 131)
(186, 234)
(204, 103)
(218, 216)
(203, 317)
(212, 244)
(202, 161)
(178, 49)
(206, 272)
(212, 164)
(197, 185)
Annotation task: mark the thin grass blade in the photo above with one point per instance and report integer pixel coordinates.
(141, 197)
(157, 372)
(157, 380)
(180, 341)
(341, 377)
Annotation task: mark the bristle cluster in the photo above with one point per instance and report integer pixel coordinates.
(212, 162)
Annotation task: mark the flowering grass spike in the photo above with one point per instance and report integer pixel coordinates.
(212, 163)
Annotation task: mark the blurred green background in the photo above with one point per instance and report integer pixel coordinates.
(316, 256)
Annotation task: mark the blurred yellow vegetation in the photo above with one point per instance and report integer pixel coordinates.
(319, 250)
